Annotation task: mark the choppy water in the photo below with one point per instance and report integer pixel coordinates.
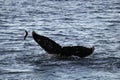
(68, 22)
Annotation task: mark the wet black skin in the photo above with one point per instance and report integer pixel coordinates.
(52, 47)
(47, 44)
(77, 51)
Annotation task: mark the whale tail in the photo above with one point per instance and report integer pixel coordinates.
(47, 44)
(52, 47)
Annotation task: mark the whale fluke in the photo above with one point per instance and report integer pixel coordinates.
(52, 47)
(77, 51)
(84, 51)
(47, 44)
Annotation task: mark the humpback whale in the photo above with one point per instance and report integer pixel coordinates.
(52, 47)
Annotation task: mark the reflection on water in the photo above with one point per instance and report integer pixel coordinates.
(68, 22)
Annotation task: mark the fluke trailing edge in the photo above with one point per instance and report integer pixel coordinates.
(52, 47)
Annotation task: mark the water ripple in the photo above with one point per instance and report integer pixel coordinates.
(69, 23)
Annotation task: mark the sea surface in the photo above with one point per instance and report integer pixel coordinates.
(69, 23)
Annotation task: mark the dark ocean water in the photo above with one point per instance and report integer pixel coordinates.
(68, 22)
